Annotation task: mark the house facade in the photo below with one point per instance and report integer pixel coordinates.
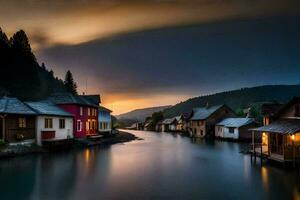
(169, 124)
(235, 128)
(84, 108)
(52, 123)
(104, 120)
(17, 121)
(280, 138)
(204, 119)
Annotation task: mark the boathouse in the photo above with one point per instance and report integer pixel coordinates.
(204, 119)
(17, 121)
(280, 139)
(235, 128)
(84, 108)
(53, 124)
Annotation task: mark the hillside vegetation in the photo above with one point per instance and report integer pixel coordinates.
(236, 99)
(21, 75)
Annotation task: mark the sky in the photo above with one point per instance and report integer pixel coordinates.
(144, 53)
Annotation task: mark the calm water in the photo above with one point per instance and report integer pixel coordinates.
(162, 166)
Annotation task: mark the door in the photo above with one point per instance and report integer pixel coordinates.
(276, 142)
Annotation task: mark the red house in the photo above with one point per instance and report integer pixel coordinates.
(84, 108)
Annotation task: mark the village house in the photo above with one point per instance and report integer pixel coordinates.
(52, 123)
(104, 120)
(203, 120)
(84, 108)
(183, 122)
(280, 136)
(17, 121)
(235, 128)
(169, 124)
(158, 126)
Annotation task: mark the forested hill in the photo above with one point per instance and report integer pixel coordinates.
(21, 76)
(238, 98)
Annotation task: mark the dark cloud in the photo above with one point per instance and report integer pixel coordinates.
(187, 60)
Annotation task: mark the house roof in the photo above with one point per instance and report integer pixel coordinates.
(271, 109)
(95, 98)
(295, 100)
(285, 126)
(235, 122)
(204, 112)
(10, 105)
(101, 108)
(169, 120)
(47, 108)
(68, 98)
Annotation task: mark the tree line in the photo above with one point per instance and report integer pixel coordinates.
(22, 76)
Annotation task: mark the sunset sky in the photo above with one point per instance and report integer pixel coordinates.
(143, 53)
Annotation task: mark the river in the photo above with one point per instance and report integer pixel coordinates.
(162, 166)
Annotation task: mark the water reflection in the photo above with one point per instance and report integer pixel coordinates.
(160, 166)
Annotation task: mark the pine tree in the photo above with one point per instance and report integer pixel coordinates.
(70, 85)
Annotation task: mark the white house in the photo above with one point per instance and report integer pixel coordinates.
(52, 123)
(104, 120)
(235, 128)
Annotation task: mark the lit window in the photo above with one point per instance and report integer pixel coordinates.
(62, 123)
(22, 123)
(48, 123)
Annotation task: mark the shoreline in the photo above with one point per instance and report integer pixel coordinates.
(12, 151)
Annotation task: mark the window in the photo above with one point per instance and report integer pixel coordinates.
(78, 125)
(89, 111)
(231, 130)
(22, 123)
(201, 132)
(62, 123)
(81, 111)
(48, 123)
(100, 125)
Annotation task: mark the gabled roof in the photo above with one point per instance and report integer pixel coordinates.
(295, 100)
(68, 98)
(285, 126)
(204, 112)
(47, 108)
(95, 99)
(235, 122)
(10, 105)
(169, 120)
(271, 109)
(101, 108)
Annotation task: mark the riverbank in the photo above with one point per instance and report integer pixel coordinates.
(9, 151)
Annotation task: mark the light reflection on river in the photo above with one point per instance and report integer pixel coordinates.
(161, 166)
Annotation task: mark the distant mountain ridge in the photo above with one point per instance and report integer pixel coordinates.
(240, 98)
(140, 115)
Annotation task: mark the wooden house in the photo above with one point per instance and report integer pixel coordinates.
(104, 120)
(52, 123)
(169, 124)
(183, 122)
(235, 128)
(84, 108)
(280, 138)
(17, 121)
(204, 119)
